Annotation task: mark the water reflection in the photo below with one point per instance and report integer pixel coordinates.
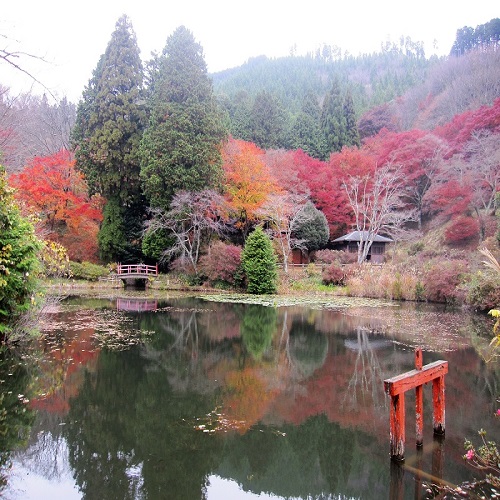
(135, 304)
(286, 401)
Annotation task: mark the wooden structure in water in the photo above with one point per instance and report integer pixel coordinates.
(136, 274)
(396, 387)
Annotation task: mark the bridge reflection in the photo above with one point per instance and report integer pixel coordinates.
(136, 305)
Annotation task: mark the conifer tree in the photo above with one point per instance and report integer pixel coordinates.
(259, 263)
(352, 133)
(267, 121)
(110, 123)
(305, 132)
(333, 121)
(181, 148)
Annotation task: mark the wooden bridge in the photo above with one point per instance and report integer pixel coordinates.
(136, 274)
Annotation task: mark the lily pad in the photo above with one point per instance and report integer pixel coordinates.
(316, 302)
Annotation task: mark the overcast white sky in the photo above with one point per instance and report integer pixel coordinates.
(71, 35)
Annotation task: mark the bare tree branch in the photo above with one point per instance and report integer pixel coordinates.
(10, 58)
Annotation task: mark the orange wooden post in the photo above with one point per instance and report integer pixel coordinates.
(438, 405)
(397, 422)
(396, 387)
(419, 401)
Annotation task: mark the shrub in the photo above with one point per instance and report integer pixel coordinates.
(54, 260)
(87, 271)
(312, 227)
(483, 291)
(259, 263)
(222, 264)
(419, 291)
(18, 261)
(415, 248)
(462, 229)
(397, 287)
(443, 279)
(334, 275)
(329, 256)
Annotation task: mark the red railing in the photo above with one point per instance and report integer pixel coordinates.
(137, 269)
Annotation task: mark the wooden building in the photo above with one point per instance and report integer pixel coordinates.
(349, 243)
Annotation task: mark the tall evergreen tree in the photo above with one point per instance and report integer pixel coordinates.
(333, 121)
(305, 132)
(110, 123)
(181, 148)
(259, 263)
(352, 133)
(267, 121)
(241, 116)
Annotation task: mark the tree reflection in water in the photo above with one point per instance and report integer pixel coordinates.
(281, 400)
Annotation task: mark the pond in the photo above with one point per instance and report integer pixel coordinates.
(188, 398)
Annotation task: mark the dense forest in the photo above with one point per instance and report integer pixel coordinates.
(162, 161)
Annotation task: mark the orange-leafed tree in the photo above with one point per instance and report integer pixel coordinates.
(248, 181)
(53, 190)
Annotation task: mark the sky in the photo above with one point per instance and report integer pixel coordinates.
(71, 36)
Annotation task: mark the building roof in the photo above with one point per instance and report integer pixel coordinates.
(358, 235)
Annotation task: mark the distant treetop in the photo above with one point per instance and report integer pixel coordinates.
(484, 35)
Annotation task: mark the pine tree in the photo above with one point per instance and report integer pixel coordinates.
(110, 119)
(305, 132)
(267, 121)
(352, 133)
(110, 123)
(259, 263)
(181, 148)
(333, 121)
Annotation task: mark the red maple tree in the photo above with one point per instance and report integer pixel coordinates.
(55, 192)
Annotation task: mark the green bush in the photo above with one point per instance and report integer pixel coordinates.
(483, 291)
(18, 261)
(259, 263)
(415, 248)
(419, 291)
(312, 227)
(397, 287)
(87, 271)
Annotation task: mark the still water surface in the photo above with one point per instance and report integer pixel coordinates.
(185, 398)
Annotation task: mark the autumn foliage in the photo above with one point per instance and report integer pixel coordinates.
(54, 191)
(248, 181)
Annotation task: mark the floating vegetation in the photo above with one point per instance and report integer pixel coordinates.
(107, 328)
(316, 302)
(121, 340)
(216, 422)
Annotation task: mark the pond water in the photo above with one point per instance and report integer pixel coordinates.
(185, 398)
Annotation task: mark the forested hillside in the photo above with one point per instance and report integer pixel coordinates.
(397, 88)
